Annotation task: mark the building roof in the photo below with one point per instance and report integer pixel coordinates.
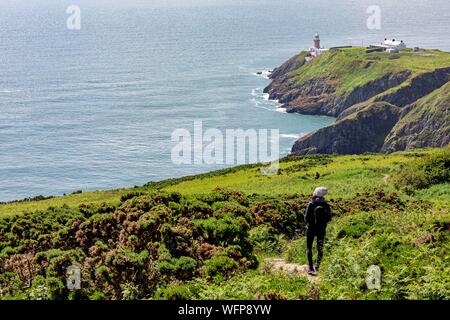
(394, 43)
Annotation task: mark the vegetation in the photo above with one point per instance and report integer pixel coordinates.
(188, 239)
(335, 64)
(425, 172)
(428, 122)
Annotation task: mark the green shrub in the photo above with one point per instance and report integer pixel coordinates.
(174, 292)
(264, 239)
(97, 295)
(356, 227)
(182, 268)
(219, 267)
(224, 231)
(56, 288)
(279, 215)
(296, 251)
(424, 172)
(131, 195)
(177, 238)
(11, 285)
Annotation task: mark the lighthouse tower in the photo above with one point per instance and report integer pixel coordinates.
(316, 40)
(315, 50)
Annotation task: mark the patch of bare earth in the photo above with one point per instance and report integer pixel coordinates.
(275, 265)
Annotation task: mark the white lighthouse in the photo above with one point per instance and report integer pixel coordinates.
(316, 41)
(316, 50)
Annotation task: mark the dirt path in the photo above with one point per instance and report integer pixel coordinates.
(277, 265)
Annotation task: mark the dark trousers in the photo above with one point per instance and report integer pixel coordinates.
(311, 233)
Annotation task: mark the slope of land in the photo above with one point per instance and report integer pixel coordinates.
(217, 235)
(369, 93)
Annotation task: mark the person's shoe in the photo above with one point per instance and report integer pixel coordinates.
(311, 271)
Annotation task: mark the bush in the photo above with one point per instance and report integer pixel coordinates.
(356, 227)
(225, 231)
(97, 295)
(424, 172)
(219, 267)
(279, 215)
(131, 195)
(264, 239)
(182, 268)
(174, 292)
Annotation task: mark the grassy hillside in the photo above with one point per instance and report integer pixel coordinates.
(185, 238)
(369, 93)
(426, 122)
(298, 175)
(347, 69)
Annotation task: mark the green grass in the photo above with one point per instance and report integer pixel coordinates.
(434, 109)
(408, 247)
(334, 66)
(251, 285)
(405, 233)
(74, 200)
(361, 172)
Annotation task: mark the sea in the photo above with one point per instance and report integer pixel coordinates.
(91, 91)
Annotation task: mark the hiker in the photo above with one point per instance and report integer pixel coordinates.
(317, 216)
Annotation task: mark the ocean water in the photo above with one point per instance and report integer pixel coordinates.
(95, 108)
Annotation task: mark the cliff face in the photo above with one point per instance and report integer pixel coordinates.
(380, 100)
(425, 123)
(359, 133)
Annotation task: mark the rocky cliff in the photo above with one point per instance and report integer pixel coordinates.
(422, 124)
(383, 102)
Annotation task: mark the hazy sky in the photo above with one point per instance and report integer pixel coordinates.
(408, 4)
(178, 3)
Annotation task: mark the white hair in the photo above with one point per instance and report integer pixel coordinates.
(320, 192)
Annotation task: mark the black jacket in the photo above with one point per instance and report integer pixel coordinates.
(312, 205)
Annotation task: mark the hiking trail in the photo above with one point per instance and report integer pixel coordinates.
(277, 264)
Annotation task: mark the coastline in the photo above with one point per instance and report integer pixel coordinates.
(376, 97)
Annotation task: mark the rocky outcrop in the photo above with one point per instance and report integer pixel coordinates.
(318, 97)
(425, 123)
(417, 87)
(292, 64)
(380, 105)
(359, 133)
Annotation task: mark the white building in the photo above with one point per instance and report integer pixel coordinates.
(316, 49)
(392, 46)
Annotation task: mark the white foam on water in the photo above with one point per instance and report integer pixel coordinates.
(293, 135)
(290, 136)
(262, 100)
(263, 74)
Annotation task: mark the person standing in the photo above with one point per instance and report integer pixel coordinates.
(317, 216)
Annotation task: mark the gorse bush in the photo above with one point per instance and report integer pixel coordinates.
(132, 250)
(174, 292)
(426, 171)
(265, 240)
(148, 244)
